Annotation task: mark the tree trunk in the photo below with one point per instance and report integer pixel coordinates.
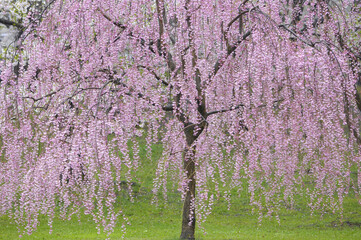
(189, 165)
(189, 218)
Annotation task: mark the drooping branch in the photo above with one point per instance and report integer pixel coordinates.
(118, 24)
(130, 34)
(223, 59)
(235, 19)
(231, 48)
(225, 110)
(162, 49)
(309, 43)
(235, 46)
(80, 90)
(283, 26)
(154, 74)
(45, 96)
(242, 105)
(229, 25)
(131, 92)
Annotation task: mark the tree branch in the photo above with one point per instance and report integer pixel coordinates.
(118, 24)
(311, 44)
(168, 107)
(9, 23)
(160, 9)
(160, 44)
(225, 110)
(236, 18)
(241, 105)
(131, 92)
(221, 61)
(154, 74)
(229, 25)
(45, 96)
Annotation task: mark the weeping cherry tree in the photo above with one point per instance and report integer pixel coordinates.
(256, 94)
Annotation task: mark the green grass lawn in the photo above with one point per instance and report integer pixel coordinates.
(164, 221)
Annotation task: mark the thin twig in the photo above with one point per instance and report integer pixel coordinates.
(225, 110)
(118, 24)
(154, 74)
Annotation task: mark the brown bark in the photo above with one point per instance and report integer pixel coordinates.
(189, 212)
(189, 218)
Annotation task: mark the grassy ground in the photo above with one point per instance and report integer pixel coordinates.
(149, 222)
(163, 222)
